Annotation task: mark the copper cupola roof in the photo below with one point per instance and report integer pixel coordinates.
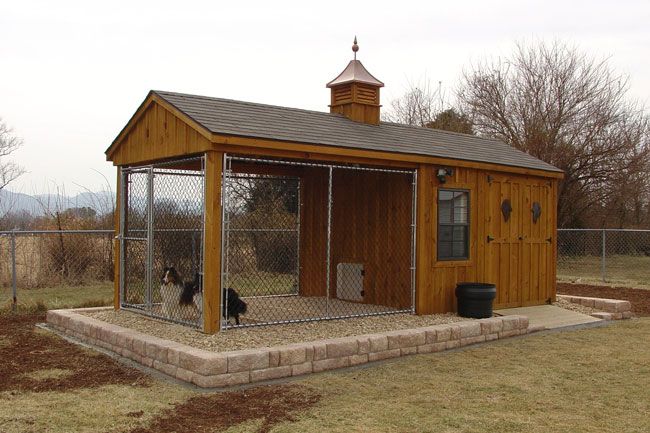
(355, 72)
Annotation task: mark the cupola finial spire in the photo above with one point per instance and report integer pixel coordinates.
(355, 92)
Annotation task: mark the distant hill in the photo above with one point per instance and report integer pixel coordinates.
(14, 202)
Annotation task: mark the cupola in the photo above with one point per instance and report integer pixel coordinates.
(355, 92)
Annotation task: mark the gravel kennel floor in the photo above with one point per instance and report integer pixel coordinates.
(270, 309)
(266, 336)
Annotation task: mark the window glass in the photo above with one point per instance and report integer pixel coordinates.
(445, 206)
(453, 224)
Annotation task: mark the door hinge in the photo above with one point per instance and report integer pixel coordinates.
(363, 272)
(550, 239)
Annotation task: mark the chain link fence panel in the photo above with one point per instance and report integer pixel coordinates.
(162, 240)
(307, 241)
(56, 268)
(619, 257)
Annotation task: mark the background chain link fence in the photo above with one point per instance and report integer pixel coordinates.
(613, 256)
(56, 268)
(75, 268)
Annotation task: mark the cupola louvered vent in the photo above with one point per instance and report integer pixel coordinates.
(355, 92)
(342, 94)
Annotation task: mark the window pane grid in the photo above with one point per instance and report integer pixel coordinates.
(453, 224)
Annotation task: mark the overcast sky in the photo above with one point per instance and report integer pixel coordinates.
(73, 72)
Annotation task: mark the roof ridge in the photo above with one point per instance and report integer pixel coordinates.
(213, 98)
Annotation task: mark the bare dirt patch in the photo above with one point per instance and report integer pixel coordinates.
(204, 414)
(29, 356)
(639, 298)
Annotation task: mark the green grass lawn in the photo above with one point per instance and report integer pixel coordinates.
(93, 294)
(632, 271)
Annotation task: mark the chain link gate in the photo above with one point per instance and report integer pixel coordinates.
(161, 227)
(307, 241)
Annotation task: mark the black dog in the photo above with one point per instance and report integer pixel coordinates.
(234, 303)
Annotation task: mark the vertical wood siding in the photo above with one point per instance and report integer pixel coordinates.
(371, 225)
(159, 134)
(519, 259)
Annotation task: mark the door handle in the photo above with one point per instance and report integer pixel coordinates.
(489, 239)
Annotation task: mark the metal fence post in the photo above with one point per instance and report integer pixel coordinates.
(150, 235)
(414, 211)
(329, 239)
(14, 303)
(603, 260)
(225, 239)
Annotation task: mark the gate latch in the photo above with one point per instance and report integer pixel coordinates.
(490, 238)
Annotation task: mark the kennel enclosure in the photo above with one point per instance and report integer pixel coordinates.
(479, 211)
(307, 241)
(301, 241)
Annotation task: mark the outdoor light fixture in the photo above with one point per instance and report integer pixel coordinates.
(443, 172)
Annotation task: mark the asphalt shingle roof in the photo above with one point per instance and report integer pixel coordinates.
(247, 119)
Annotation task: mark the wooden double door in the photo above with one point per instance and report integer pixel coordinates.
(516, 217)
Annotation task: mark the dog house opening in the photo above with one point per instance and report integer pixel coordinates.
(309, 241)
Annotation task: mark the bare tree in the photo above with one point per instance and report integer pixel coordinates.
(570, 110)
(423, 106)
(451, 120)
(418, 106)
(9, 142)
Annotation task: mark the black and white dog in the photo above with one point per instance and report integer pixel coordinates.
(171, 292)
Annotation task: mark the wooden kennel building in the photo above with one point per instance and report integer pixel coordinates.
(480, 211)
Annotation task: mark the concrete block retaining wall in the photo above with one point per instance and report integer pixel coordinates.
(611, 309)
(222, 369)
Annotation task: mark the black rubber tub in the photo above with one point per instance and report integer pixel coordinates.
(475, 299)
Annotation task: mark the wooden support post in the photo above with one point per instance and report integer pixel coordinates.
(425, 301)
(116, 242)
(212, 243)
